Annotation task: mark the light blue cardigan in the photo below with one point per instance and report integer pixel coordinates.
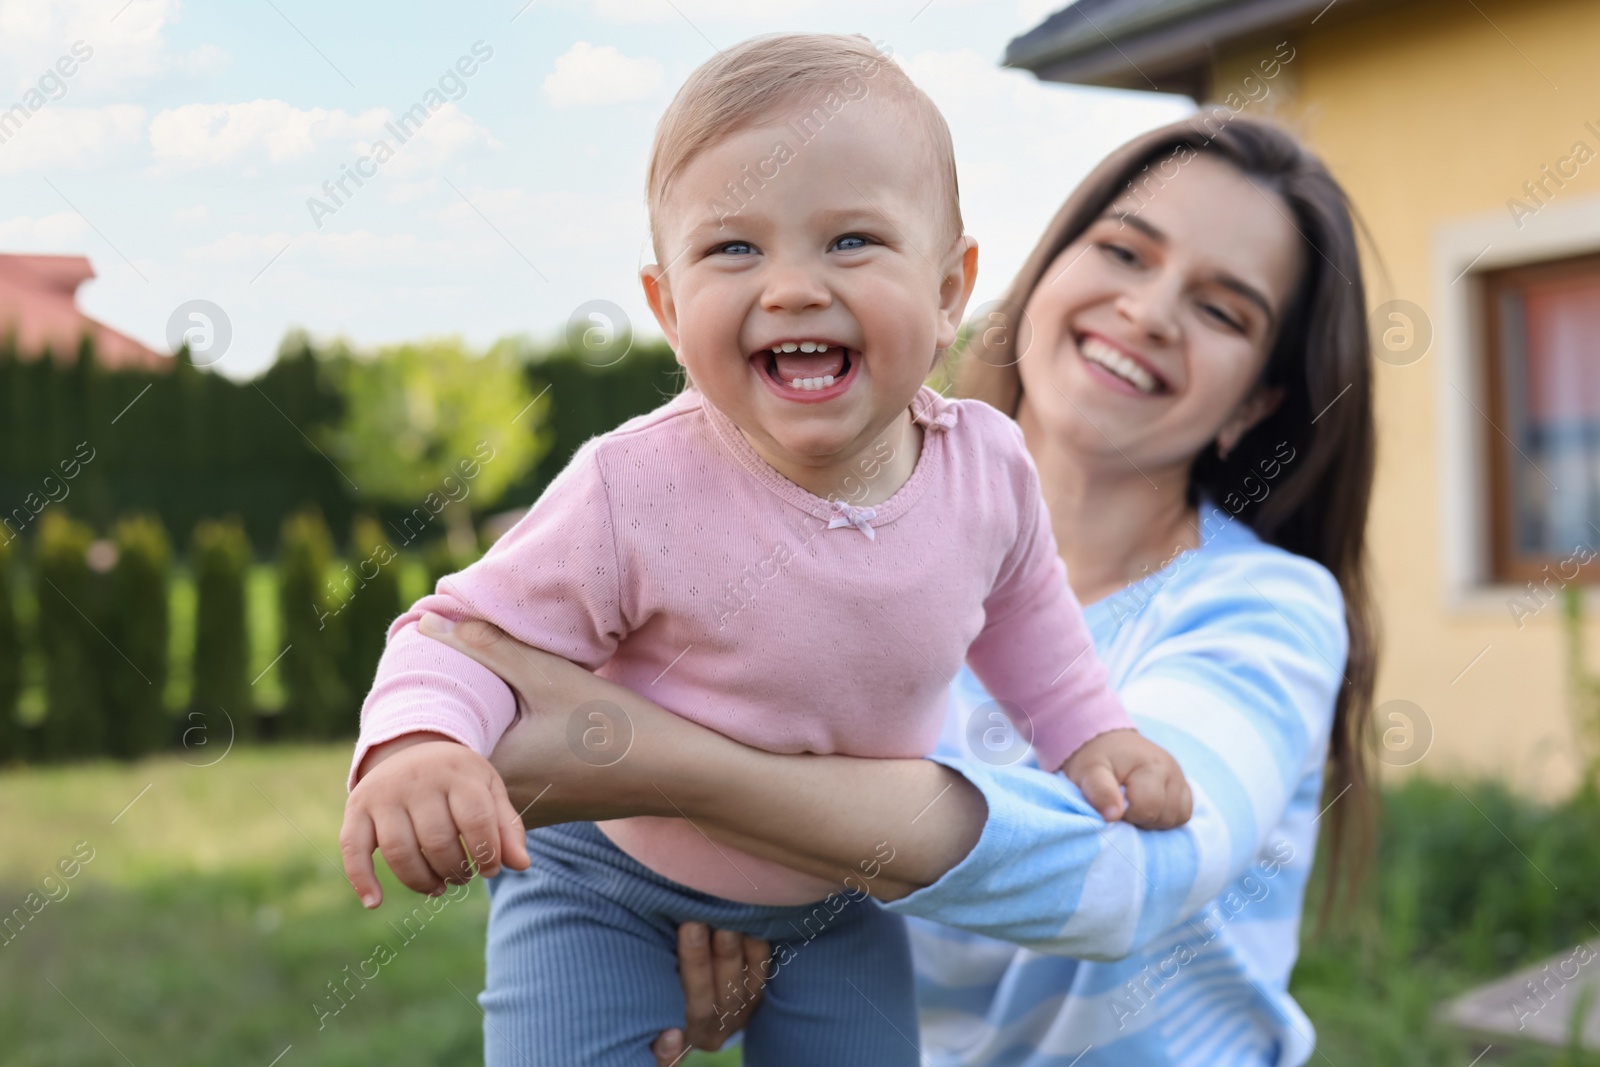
(1231, 658)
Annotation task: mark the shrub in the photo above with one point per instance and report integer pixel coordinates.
(70, 598)
(136, 715)
(372, 591)
(220, 555)
(10, 663)
(317, 706)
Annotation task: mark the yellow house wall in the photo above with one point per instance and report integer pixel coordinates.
(1430, 113)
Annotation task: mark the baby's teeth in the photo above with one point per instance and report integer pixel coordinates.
(789, 346)
(807, 346)
(811, 385)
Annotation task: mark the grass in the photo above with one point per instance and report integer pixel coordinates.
(1469, 884)
(210, 919)
(213, 914)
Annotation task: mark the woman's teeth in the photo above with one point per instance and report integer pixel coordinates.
(1099, 352)
(811, 383)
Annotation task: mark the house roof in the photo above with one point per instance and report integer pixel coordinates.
(1160, 45)
(39, 308)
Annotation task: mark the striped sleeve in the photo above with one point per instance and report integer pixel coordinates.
(1238, 682)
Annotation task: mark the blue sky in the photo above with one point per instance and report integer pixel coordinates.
(180, 155)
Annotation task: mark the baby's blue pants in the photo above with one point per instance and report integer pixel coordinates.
(582, 966)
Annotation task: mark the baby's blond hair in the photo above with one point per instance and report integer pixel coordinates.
(817, 74)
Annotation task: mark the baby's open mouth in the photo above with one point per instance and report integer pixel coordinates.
(796, 367)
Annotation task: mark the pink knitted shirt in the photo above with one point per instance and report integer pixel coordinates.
(670, 558)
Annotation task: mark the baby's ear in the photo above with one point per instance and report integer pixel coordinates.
(658, 294)
(955, 288)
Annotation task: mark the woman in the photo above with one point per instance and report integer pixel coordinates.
(1195, 393)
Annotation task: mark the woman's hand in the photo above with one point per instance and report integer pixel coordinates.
(723, 975)
(564, 759)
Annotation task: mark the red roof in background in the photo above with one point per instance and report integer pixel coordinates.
(38, 305)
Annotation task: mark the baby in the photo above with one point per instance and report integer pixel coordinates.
(799, 551)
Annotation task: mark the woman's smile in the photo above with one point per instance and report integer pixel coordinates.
(1119, 368)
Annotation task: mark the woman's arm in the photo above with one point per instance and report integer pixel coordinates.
(584, 748)
(1238, 684)
(1236, 674)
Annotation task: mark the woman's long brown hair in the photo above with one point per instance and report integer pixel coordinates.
(1320, 359)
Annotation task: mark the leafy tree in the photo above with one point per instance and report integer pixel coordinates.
(591, 396)
(429, 425)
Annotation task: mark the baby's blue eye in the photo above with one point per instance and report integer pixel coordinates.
(737, 248)
(850, 242)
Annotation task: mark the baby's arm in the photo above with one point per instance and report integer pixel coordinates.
(1036, 657)
(420, 778)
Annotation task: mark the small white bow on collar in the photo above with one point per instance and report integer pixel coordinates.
(846, 515)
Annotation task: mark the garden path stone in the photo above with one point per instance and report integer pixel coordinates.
(1537, 1003)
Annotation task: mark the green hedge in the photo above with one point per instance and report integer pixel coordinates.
(83, 448)
(10, 661)
(190, 444)
(313, 633)
(220, 556)
(71, 609)
(370, 587)
(136, 678)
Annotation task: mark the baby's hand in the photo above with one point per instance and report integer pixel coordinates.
(1158, 795)
(418, 796)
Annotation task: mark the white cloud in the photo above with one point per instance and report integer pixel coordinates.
(205, 60)
(587, 75)
(55, 137)
(63, 231)
(191, 216)
(207, 135)
(126, 45)
(199, 135)
(237, 247)
(448, 133)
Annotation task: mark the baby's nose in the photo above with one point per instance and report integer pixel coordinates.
(795, 286)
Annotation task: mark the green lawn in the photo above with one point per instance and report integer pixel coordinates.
(213, 914)
(210, 919)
